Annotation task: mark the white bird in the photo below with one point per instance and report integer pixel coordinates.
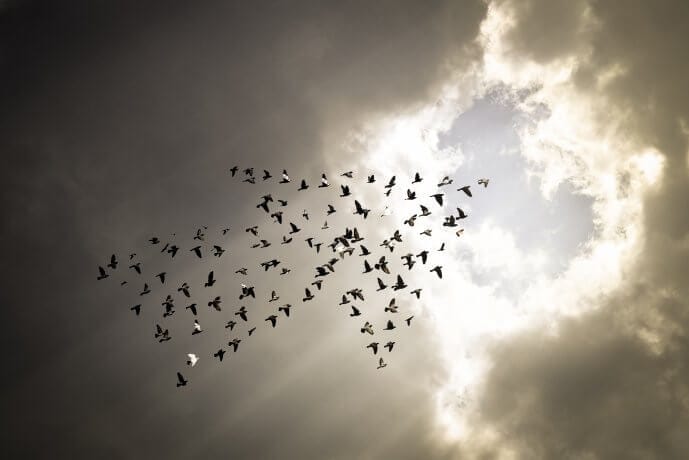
(193, 359)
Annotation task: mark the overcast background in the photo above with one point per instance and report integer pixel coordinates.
(559, 330)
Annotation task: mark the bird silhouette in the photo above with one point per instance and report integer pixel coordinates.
(373, 346)
(272, 319)
(438, 270)
(180, 380)
(210, 281)
(101, 273)
(466, 189)
(219, 354)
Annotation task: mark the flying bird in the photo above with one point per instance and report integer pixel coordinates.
(438, 270)
(193, 359)
(219, 354)
(210, 281)
(197, 250)
(373, 346)
(483, 182)
(181, 381)
(272, 319)
(101, 273)
(466, 189)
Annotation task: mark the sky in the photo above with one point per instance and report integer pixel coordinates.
(558, 330)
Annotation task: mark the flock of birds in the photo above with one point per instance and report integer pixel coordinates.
(344, 245)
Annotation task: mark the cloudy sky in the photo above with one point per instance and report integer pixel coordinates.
(558, 330)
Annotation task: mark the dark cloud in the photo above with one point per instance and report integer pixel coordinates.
(119, 120)
(612, 384)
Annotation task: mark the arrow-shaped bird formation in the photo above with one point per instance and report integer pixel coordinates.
(346, 245)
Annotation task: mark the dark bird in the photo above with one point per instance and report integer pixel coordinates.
(273, 297)
(391, 182)
(324, 181)
(273, 319)
(345, 191)
(101, 273)
(136, 309)
(303, 185)
(364, 250)
(282, 202)
(225, 230)
(285, 308)
(466, 189)
(450, 222)
(348, 174)
(389, 346)
(219, 354)
(381, 285)
(263, 205)
(242, 313)
(438, 270)
(181, 381)
(330, 210)
(199, 235)
(356, 293)
(136, 267)
(161, 334)
(286, 240)
(161, 277)
(483, 182)
(442, 247)
(210, 281)
(373, 346)
(241, 271)
(309, 241)
(169, 306)
(122, 283)
(417, 178)
(438, 198)
(218, 251)
(249, 171)
(197, 250)
(266, 175)
(371, 179)
(184, 289)
(251, 331)
(416, 292)
(408, 320)
(408, 262)
(318, 284)
(113, 262)
(367, 267)
(426, 232)
(233, 170)
(382, 265)
(154, 240)
(294, 228)
(277, 216)
(305, 214)
(285, 177)
(389, 326)
(399, 284)
(234, 343)
(411, 221)
(307, 295)
(247, 291)
(446, 181)
(318, 247)
(173, 250)
(360, 209)
(410, 195)
(230, 324)
(253, 230)
(461, 214)
(355, 312)
(146, 290)
(424, 211)
(381, 364)
(284, 271)
(368, 328)
(215, 303)
(192, 308)
(344, 300)
(392, 307)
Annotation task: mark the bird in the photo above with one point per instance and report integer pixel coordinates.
(450, 221)
(242, 313)
(161, 277)
(410, 195)
(399, 284)
(424, 211)
(181, 381)
(230, 324)
(364, 250)
(285, 177)
(381, 285)
(241, 271)
(461, 214)
(347, 174)
(417, 178)
(250, 180)
(234, 343)
(101, 273)
(330, 210)
(303, 185)
(442, 247)
(381, 364)
(161, 333)
(466, 189)
(136, 267)
(345, 191)
(367, 267)
(192, 308)
(211, 281)
(282, 202)
(344, 300)
(294, 228)
(136, 309)
(307, 295)
(251, 331)
(277, 216)
(197, 250)
(426, 232)
(438, 198)
(411, 221)
(233, 170)
(215, 303)
(218, 250)
(225, 230)
(318, 284)
(324, 181)
(146, 290)
(285, 309)
(408, 262)
(197, 328)
(391, 182)
(273, 297)
(253, 230)
(219, 354)
(305, 214)
(356, 294)
(389, 346)
(284, 271)
(272, 319)
(368, 328)
(154, 240)
(416, 292)
(266, 175)
(360, 209)
(382, 265)
(193, 359)
(113, 262)
(392, 307)
(199, 235)
(373, 346)
(355, 312)
(389, 326)
(247, 291)
(483, 182)
(173, 250)
(408, 320)
(438, 270)
(445, 181)
(371, 179)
